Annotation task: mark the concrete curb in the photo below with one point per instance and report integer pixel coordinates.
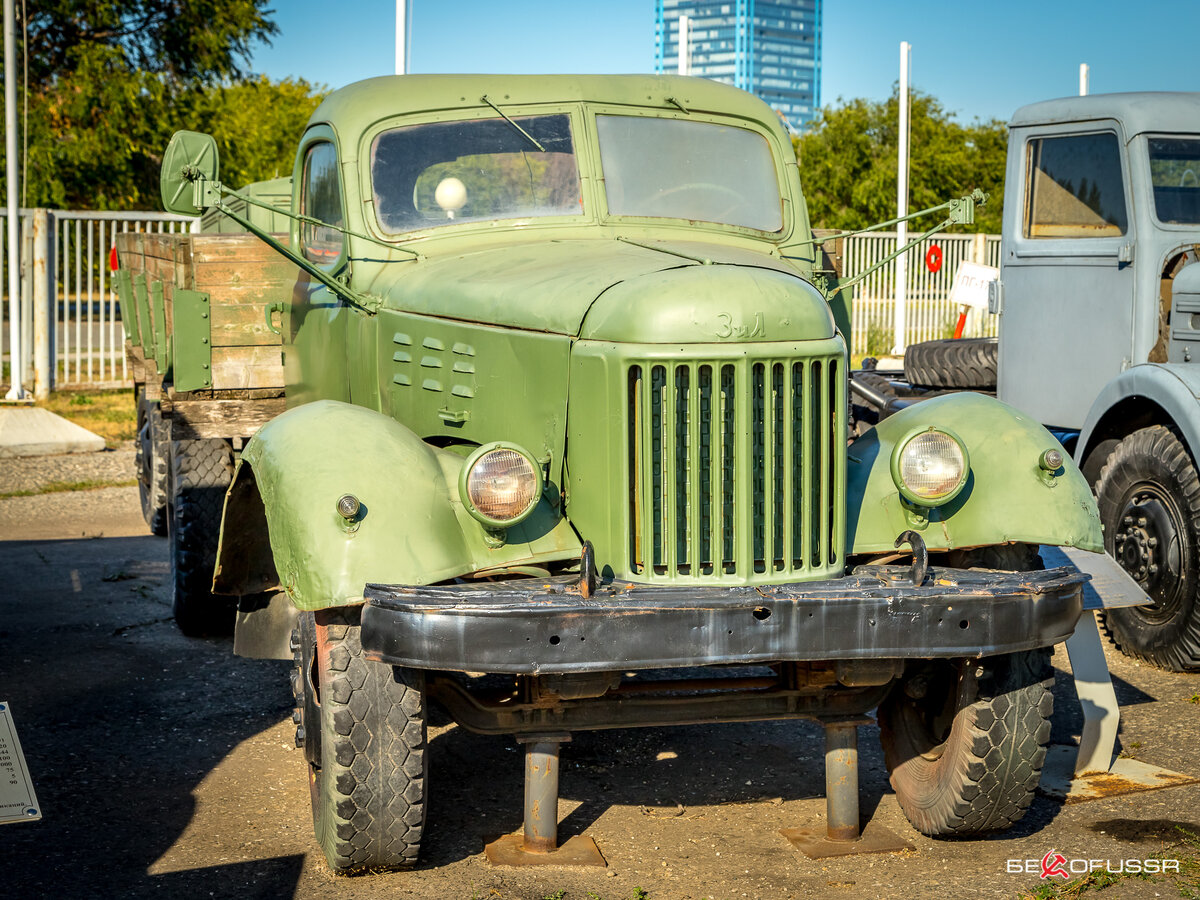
(30, 431)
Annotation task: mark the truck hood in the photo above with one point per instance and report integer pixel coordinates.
(550, 286)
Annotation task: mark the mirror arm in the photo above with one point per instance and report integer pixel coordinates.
(212, 192)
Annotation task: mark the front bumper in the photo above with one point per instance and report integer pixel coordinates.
(544, 626)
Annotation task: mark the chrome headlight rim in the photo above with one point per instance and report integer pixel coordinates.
(464, 492)
(908, 493)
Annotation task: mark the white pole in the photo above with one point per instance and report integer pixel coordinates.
(685, 34)
(899, 314)
(1084, 71)
(401, 37)
(15, 392)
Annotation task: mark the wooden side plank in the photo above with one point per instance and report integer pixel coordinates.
(198, 419)
(246, 367)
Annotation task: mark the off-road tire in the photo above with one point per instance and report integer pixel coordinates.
(200, 474)
(363, 728)
(1149, 499)
(963, 363)
(151, 463)
(980, 774)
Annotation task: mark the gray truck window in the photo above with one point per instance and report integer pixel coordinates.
(1175, 175)
(1074, 187)
(669, 168)
(321, 198)
(424, 176)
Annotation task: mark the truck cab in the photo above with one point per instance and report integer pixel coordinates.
(1100, 329)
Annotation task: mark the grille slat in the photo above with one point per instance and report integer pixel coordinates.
(733, 467)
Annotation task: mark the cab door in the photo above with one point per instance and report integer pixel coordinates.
(1066, 325)
(315, 323)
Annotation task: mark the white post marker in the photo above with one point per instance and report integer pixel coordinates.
(1084, 72)
(684, 42)
(899, 313)
(401, 37)
(18, 802)
(15, 391)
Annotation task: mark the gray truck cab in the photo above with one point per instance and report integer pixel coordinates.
(1100, 330)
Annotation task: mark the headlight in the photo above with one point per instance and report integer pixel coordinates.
(500, 484)
(930, 467)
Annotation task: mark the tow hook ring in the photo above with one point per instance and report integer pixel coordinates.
(587, 571)
(920, 566)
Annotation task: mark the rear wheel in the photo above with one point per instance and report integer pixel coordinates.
(151, 462)
(200, 474)
(363, 728)
(1149, 499)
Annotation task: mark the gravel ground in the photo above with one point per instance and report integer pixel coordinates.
(101, 512)
(31, 473)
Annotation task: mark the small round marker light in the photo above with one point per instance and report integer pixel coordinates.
(348, 506)
(1051, 460)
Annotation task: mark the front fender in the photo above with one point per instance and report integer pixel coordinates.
(1006, 498)
(1174, 387)
(411, 529)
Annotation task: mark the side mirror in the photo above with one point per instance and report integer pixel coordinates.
(188, 178)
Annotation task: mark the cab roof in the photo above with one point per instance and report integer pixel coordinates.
(1157, 111)
(355, 107)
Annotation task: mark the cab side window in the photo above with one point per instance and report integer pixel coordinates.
(321, 198)
(1074, 187)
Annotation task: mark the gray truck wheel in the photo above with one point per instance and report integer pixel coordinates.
(965, 363)
(1149, 498)
(964, 741)
(151, 464)
(363, 728)
(200, 475)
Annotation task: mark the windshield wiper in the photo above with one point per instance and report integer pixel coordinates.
(527, 135)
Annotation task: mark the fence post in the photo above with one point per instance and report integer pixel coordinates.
(979, 249)
(41, 305)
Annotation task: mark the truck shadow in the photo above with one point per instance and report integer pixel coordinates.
(120, 717)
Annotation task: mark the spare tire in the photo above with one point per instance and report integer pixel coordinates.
(963, 363)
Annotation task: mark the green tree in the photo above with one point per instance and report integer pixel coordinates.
(848, 162)
(111, 80)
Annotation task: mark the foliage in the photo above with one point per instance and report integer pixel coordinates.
(848, 162)
(109, 82)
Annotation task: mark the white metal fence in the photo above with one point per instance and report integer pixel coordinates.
(929, 313)
(87, 340)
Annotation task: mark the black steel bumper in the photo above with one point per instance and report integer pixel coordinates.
(544, 626)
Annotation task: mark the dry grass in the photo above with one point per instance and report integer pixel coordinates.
(109, 414)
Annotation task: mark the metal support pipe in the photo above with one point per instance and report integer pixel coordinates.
(841, 780)
(42, 322)
(541, 792)
(16, 392)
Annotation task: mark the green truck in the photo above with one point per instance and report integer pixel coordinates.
(567, 445)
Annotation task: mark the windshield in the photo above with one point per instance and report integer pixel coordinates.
(1175, 174)
(424, 176)
(671, 168)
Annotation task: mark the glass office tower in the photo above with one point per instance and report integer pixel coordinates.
(771, 48)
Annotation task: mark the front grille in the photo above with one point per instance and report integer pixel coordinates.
(733, 467)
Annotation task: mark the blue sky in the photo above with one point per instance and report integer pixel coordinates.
(981, 59)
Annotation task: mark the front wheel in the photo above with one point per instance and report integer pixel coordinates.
(1149, 499)
(363, 728)
(964, 741)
